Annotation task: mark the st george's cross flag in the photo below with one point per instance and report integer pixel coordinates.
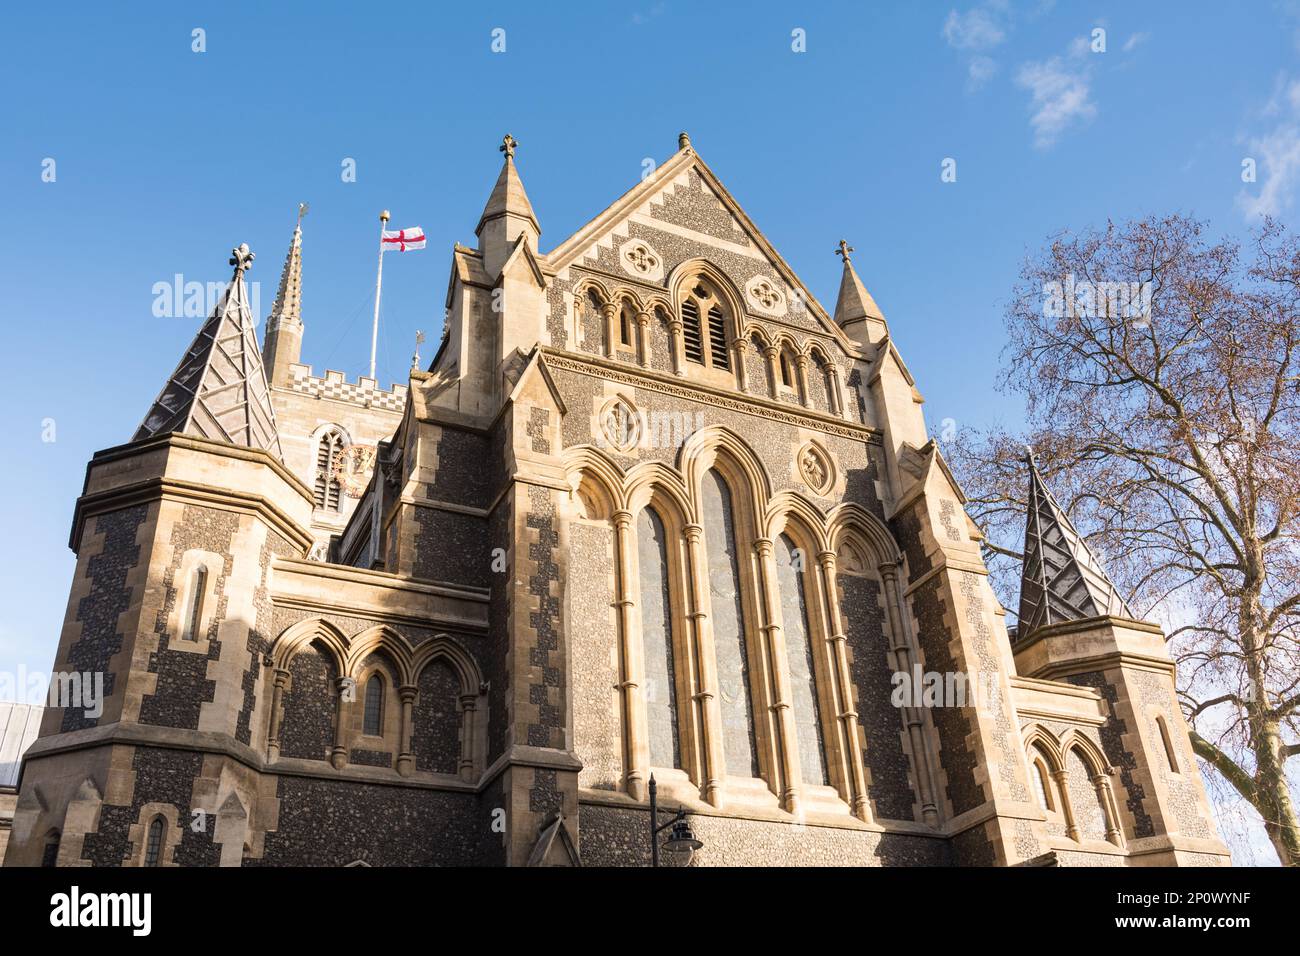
(402, 240)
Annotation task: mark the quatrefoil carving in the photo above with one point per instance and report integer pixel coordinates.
(765, 296)
(638, 258)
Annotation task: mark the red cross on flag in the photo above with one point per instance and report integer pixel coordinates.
(403, 239)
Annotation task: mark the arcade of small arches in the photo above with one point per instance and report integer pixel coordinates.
(375, 699)
(702, 323)
(1070, 777)
(734, 672)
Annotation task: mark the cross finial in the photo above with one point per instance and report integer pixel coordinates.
(844, 250)
(508, 145)
(1029, 454)
(302, 211)
(415, 359)
(241, 258)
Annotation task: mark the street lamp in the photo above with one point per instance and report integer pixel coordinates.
(681, 840)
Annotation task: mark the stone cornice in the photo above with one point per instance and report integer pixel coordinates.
(153, 489)
(707, 394)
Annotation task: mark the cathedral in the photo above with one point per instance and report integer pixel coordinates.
(652, 524)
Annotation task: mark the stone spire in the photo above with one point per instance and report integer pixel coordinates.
(507, 215)
(856, 311)
(1062, 579)
(282, 343)
(219, 389)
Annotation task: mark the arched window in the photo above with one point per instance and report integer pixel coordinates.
(194, 614)
(50, 853)
(153, 846)
(787, 369)
(704, 327)
(374, 718)
(1044, 785)
(626, 323)
(728, 628)
(657, 641)
(790, 564)
(328, 454)
(1170, 754)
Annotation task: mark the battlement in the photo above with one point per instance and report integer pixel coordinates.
(335, 386)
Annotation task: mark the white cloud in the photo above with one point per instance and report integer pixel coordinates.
(976, 32)
(981, 70)
(1134, 41)
(1058, 96)
(979, 28)
(1276, 152)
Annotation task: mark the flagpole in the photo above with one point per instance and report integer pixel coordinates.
(379, 284)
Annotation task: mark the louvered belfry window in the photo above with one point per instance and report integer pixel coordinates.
(328, 454)
(691, 333)
(704, 328)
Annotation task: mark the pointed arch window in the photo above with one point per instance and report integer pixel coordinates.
(657, 641)
(704, 327)
(373, 725)
(787, 369)
(626, 323)
(194, 614)
(790, 565)
(153, 846)
(739, 747)
(1044, 787)
(329, 452)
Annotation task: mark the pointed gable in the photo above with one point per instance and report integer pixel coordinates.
(219, 389)
(689, 210)
(1062, 579)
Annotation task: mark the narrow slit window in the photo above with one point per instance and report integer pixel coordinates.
(198, 590)
(154, 844)
(626, 321)
(1170, 754)
(374, 719)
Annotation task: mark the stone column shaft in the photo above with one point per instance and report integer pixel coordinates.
(790, 784)
(636, 747)
(705, 696)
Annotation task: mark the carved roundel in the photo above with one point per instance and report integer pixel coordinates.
(765, 295)
(638, 258)
(355, 466)
(620, 424)
(816, 469)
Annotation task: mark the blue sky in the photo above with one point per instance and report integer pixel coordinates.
(165, 157)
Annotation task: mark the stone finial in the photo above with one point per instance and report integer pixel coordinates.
(419, 340)
(508, 145)
(844, 250)
(241, 258)
(683, 140)
(302, 211)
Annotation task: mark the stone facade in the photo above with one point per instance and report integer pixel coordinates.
(418, 630)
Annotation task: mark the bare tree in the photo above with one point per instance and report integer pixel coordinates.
(1170, 430)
